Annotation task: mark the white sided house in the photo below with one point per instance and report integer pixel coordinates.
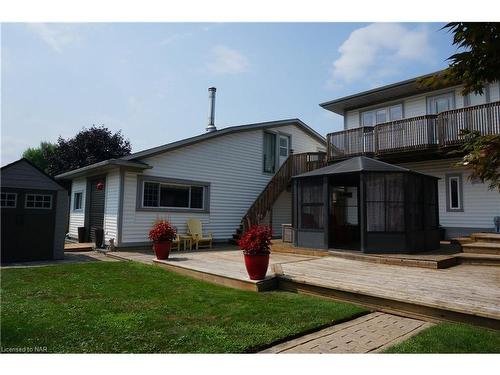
(417, 128)
(215, 177)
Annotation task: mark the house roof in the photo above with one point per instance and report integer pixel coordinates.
(132, 161)
(23, 178)
(102, 167)
(224, 131)
(393, 91)
(353, 165)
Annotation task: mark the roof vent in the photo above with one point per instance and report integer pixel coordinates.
(211, 110)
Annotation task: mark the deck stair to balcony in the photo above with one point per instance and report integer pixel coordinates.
(294, 165)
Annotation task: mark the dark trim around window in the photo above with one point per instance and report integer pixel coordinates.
(458, 176)
(74, 201)
(174, 181)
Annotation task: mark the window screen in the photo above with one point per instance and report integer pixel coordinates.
(385, 202)
(312, 216)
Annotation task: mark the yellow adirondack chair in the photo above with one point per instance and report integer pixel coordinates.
(195, 230)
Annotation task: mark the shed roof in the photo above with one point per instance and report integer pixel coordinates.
(23, 174)
(353, 165)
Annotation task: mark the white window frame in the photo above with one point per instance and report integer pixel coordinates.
(450, 95)
(283, 136)
(386, 108)
(6, 199)
(174, 184)
(37, 195)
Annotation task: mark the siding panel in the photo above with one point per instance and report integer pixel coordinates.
(231, 164)
(480, 204)
(77, 218)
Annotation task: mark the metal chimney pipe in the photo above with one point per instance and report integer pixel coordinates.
(211, 110)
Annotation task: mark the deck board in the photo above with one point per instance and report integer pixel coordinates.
(466, 288)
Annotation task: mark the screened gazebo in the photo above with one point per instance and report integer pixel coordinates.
(367, 205)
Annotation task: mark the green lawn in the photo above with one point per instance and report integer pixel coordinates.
(129, 307)
(451, 338)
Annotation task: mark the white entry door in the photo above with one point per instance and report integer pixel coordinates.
(284, 148)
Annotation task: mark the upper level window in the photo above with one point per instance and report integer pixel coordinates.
(440, 103)
(41, 201)
(477, 99)
(8, 200)
(77, 200)
(269, 152)
(381, 115)
(165, 195)
(283, 146)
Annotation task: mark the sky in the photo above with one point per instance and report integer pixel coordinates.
(150, 80)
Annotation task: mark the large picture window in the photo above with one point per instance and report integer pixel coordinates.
(172, 195)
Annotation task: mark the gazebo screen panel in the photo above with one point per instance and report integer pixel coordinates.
(312, 204)
(385, 203)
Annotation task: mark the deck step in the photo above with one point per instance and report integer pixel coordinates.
(479, 259)
(486, 237)
(433, 262)
(462, 240)
(482, 248)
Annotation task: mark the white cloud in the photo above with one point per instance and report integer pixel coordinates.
(379, 50)
(57, 36)
(227, 61)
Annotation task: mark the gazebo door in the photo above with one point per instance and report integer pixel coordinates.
(344, 229)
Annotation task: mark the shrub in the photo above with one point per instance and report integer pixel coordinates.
(256, 241)
(162, 231)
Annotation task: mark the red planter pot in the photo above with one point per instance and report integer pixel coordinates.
(162, 249)
(257, 266)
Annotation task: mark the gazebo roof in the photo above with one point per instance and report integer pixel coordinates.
(353, 165)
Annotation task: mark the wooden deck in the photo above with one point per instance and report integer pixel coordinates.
(467, 293)
(225, 268)
(75, 246)
(463, 293)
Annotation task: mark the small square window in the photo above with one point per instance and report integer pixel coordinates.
(8, 200)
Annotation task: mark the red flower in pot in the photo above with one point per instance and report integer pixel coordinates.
(255, 244)
(162, 235)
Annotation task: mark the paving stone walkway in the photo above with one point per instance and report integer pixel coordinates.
(370, 333)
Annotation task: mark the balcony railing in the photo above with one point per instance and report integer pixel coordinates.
(429, 132)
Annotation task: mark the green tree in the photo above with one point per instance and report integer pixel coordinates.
(482, 157)
(477, 61)
(89, 146)
(40, 155)
(476, 64)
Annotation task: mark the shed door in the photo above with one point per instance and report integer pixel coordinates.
(28, 228)
(96, 210)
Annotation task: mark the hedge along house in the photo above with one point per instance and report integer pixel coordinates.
(367, 205)
(214, 177)
(34, 214)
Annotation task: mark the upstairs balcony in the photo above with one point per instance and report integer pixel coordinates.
(423, 135)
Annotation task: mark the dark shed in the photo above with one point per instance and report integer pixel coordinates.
(368, 205)
(34, 214)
